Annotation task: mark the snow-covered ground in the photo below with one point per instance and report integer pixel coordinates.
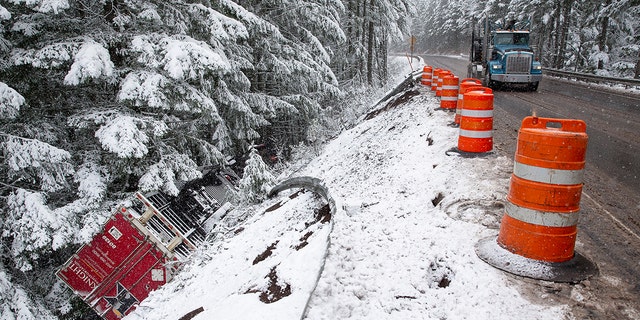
(400, 246)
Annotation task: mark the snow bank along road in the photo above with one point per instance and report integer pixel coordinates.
(609, 226)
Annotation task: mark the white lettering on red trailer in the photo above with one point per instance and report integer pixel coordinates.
(109, 242)
(83, 275)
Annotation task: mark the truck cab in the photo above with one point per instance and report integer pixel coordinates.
(504, 57)
(512, 60)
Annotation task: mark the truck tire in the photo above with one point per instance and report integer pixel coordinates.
(533, 86)
(486, 80)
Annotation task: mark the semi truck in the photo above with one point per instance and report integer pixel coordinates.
(501, 55)
(142, 247)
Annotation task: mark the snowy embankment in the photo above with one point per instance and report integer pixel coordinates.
(401, 245)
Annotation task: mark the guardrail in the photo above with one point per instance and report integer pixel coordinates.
(318, 186)
(592, 78)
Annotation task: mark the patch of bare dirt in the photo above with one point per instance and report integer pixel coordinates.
(261, 257)
(274, 291)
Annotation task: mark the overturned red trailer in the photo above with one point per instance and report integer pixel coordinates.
(141, 248)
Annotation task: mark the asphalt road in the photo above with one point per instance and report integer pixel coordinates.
(609, 227)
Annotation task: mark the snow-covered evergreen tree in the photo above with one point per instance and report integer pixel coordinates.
(16, 303)
(256, 180)
(370, 26)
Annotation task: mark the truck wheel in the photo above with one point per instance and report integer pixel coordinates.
(486, 81)
(533, 86)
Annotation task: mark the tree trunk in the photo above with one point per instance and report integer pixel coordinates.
(564, 30)
(350, 45)
(540, 41)
(370, 46)
(602, 40)
(637, 75)
(554, 39)
(362, 9)
(550, 46)
(384, 53)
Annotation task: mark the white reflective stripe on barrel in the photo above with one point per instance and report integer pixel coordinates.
(541, 218)
(447, 87)
(476, 133)
(460, 96)
(546, 175)
(477, 113)
(447, 98)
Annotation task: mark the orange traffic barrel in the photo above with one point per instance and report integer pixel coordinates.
(426, 76)
(449, 95)
(544, 195)
(465, 85)
(434, 79)
(441, 75)
(476, 122)
(538, 230)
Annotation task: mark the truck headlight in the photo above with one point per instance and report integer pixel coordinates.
(496, 66)
(538, 67)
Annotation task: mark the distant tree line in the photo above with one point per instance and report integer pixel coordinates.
(578, 35)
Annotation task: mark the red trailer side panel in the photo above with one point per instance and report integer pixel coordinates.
(127, 289)
(95, 261)
(118, 268)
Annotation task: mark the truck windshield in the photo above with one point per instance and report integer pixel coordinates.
(511, 38)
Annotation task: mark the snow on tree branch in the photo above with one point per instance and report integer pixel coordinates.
(32, 225)
(220, 26)
(92, 184)
(26, 156)
(182, 57)
(257, 24)
(190, 59)
(50, 56)
(10, 102)
(149, 89)
(91, 62)
(270, 106)
(15, 301)
(124, 136)
(92, 117)
(21, 153)
(164, 174)
(4, 13)
(144, 88)
(150, 14)
(44, 6)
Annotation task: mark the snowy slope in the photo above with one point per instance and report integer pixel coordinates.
(266, 269)
(401, 245)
